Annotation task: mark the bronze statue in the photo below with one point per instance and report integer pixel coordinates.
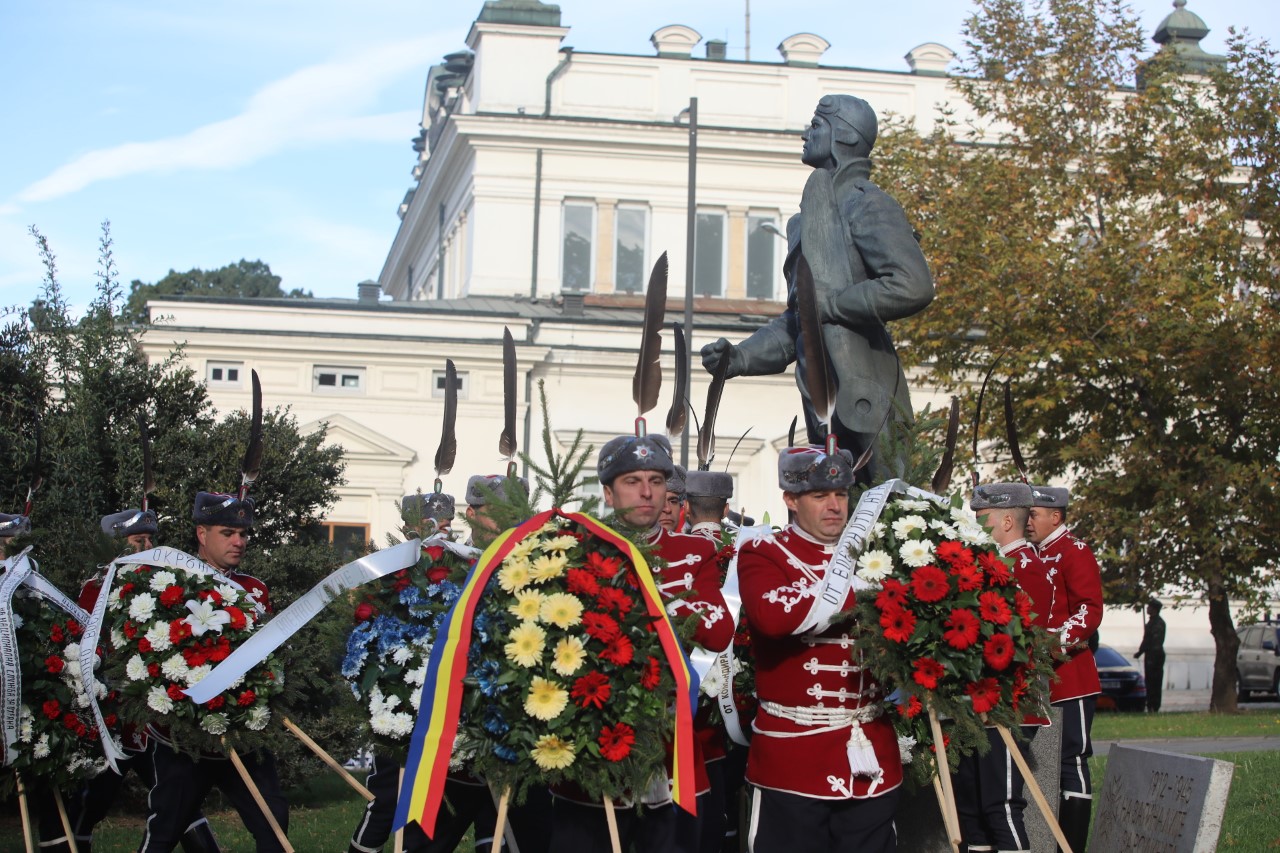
(867, 269)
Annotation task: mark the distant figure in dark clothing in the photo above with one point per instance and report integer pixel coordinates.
(1153, 647)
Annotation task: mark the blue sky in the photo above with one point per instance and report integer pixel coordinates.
(279, 129)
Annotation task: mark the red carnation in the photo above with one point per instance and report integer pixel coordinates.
(913, 708)
(985, 695)
(618, 651)
(582, 582)
(615, 743)
(52, 709)
(238, 620)
(591, 689)
(144, 645)
(130, 630)
(55, 633)
(364, 611)
(54, 664)
(603, 567)
(898, 624)
(600, 626)
(1022, 603)
(82, 730)
(175, 693)
(111, 720)
(998, 651)
(179, 630)
(929, 583)
(215, 703)
(70, 721)
(968, 578)
(892, 592)
(245, 699)
(927, 673)
(172, 595)
(153, 670)
(652, 674)
(435, 552)
(611, 598)
(962, 629)
(994, 608)
(997, 568)
(435, 574)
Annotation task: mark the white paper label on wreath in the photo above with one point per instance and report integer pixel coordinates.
(274, 633)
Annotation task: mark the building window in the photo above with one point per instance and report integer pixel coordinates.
(708, 254)
(461, 381)
(224, 374)
(762, 273)
(348, 540)
(338, 380)
(577, 261)
(630, 227)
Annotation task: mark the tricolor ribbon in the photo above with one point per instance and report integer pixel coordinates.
(431, 743)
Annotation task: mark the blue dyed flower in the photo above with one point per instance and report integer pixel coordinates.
(494, 723)
(506, 753)
(486, 673)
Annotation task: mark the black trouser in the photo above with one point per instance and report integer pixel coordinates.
(789, 823)
(580, 828)
(181, 784)
(1077, 746)
(733, 770)
(1153, 672)
(989, 798)
(711, 809)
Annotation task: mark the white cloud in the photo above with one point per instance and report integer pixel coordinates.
(317, 104)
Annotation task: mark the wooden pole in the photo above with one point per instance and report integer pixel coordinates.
(258, 798)
(328, 759)
(28, 839)
(500, 827)
(949, 816)
(1036, 794)
(613, 824)
(398, 844)
(66, 822)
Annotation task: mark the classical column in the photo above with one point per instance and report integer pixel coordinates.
(736, 282)
(606, 210)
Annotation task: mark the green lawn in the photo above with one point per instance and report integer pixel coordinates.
(1110, 726)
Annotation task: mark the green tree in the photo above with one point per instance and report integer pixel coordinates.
(1113, 243)
(251, 279)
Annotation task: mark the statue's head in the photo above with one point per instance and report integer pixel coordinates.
(851, 124)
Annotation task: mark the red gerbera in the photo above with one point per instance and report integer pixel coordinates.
(172, 595)
(652, 674)
(929, 583)
(615, 742)
(898, 624)
(892, 592)
(954, 553)
(600, 626)
(601, 566)
(179, 630)
(913, 708)
(219, 651)
(997, 568)
(237, 617)
(998, 651)
(985, 695)
(1022, 603)
(927, 673)
(195, 656)
(962, 629)
(591, 689)
(994, 608)
(209, 595)
(619, 651)
(968, 577)
(582, 582)
(612, 598)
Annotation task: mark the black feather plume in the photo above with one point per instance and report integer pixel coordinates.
(648, 379)
(251, 466)
(707, 431)
(676, 415)
(507, 442)
(447, 450)
(791, 433)
(942, 478)
(977, 419)
(1011, 432)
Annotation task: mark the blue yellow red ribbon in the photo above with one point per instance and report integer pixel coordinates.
(431, 744)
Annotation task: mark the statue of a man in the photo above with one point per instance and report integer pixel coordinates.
(867, 269)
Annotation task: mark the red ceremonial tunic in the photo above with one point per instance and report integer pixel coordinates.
(710, 736)
(816, 701)
(1073, 565)
(1044, 587)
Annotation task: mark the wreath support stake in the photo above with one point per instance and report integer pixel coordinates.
(500, 828)
(948, 805)
(613, 824)
(398, 844)
(1036, 794)
(328, 759)
(257, 798)
(66, 822)
(28, 839)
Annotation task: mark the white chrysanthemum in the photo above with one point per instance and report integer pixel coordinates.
(174, 668)
(415, 699)
(196, 673)
(392, 724)
(916, 552)
(118, 638)
(113, 600)
(41, 749)
(142, 607)
(973, 534)
(158, 636)
(258, 718)
(415, 677)
(401, 655)
(236, 684)
(159, 701)
(71, 652)
(906, 748)
(99, 690)
(907, 524)
(874, 566)
(25, 729)
(423, 643)
(136, 669)
(82, 699)
(214, 724)
(162, 580)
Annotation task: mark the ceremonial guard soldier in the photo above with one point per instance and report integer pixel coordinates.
(633, 471)
(823, 760)
(672, 516)
(989, 788)
(181, 782)
(707, 495)
(1077, 686)
(480, 489)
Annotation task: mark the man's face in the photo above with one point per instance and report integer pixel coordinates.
(670, 514)
(140, 542)
(638, 497)
(1041, 522)
(483, 528)
(1001, 525)
(817, 151)
(821, 514)
(222, 547)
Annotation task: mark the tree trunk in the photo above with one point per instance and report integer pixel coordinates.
(1226, 642)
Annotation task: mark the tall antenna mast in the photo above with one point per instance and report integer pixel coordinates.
(748, 2)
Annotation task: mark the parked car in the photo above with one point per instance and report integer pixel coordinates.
(1258, 660)
(1124, 688)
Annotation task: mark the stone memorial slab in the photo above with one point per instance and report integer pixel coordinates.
(1160, 802)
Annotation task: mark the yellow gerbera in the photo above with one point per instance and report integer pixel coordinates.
(569, 655)
(552, 753)
(526, 645)
(522, 549)
(559, 543)
(561, 609)
(514, 574)
(546, 699)
(527, 606)
(547, 566)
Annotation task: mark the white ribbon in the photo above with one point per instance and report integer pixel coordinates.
(272, 635)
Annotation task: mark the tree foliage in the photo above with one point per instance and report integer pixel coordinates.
(1105, 225)
(250, 279)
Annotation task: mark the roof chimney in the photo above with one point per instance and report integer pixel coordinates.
(573, 303)
(369, 292)
(716, 48)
